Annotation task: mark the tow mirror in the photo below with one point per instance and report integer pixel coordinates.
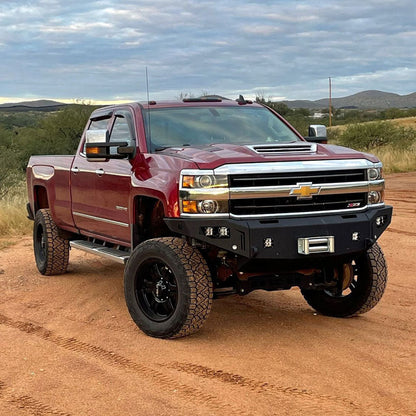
(98, 147)
(317, 134)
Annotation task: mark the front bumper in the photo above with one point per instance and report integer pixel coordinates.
(280, 239)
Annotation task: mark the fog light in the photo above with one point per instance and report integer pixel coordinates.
(374, 197)
(223, 232)
(208, 206)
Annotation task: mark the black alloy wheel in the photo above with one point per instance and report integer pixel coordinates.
(156, 290)
(168, 287)
(51, 250)
(358, 286)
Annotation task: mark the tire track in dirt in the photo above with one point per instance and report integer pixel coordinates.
(403, 201)
(191, 394)
(409, 233)
(314, 401)
(28, 403)
(400, 210)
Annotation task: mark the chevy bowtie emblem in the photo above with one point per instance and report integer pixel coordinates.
(305, 190)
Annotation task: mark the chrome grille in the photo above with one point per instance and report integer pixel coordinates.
(280, 179)
(262, 206)
(285, 204)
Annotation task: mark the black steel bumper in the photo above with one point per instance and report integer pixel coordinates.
(279, 239)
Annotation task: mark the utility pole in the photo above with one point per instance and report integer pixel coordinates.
(330, 103)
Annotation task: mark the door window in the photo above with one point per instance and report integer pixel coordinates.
(122, 130)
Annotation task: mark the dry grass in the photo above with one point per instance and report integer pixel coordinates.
(13, 215)
(405, 122)
(397, 160)
(394, 159)
(398, 122)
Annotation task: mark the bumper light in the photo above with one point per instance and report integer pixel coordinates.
(216, 232)
(380, 221)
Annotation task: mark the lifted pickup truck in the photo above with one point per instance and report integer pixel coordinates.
(207, 197)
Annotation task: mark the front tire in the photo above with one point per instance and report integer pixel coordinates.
(360, 287)
(168, 288)
(51, 250)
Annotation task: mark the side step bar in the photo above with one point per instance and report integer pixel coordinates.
(120, 256)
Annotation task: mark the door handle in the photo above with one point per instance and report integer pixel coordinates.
(100, 172)
(74, 170)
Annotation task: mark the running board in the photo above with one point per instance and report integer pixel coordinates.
(120, 256)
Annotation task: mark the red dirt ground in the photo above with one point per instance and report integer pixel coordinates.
(69, 347)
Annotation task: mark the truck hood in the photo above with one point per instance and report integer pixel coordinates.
(215, 155)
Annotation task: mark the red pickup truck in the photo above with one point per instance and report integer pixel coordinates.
(209, 197)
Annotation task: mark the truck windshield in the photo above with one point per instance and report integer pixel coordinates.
(199, 126)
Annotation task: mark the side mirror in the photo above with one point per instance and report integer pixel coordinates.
(98, 147)
(317, 134)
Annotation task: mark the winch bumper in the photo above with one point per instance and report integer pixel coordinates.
(289, 238)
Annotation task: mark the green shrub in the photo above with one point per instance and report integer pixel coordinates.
(377, 134)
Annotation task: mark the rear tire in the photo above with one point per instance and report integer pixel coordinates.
(51, 250)
(363, 289)
(168, 288)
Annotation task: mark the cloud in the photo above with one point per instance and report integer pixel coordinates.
(99, 49)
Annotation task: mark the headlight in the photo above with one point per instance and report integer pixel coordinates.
(208, 206)
(204, 181)
(375, 197)
(205, 206)
(374, 174)
(203, 192)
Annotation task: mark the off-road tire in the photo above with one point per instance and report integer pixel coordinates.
(368, 285)
(51, 250)
(179, 302)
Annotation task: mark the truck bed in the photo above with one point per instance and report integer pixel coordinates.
(49, 177)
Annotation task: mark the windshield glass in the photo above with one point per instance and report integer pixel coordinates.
(199, 126)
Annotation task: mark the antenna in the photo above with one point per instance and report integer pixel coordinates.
(330, 102)
(148, 111)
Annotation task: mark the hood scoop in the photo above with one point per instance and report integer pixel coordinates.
(298, 147)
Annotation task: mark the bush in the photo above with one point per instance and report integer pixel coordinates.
(377, 134)
(13, 221)
(10, 175)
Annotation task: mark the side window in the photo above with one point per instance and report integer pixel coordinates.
(122, 130)
(97, 124)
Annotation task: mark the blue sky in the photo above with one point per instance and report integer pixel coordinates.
(98, 49)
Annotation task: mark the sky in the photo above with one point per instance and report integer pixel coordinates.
(98, 50)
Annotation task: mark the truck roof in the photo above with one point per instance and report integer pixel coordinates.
(186, 102)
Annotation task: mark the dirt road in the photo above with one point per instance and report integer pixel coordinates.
(69, 347)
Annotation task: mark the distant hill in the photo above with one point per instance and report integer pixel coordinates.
(365, 100)
(38, 105)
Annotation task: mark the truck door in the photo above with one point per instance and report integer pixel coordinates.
(101, 190)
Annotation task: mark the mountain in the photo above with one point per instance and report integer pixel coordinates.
(38, 105)
(365, 100)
